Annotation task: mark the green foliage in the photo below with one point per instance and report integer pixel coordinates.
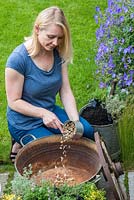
(115, 106)
(25, 188)
(22, 184)
(116, 103)
(90, 192)
(126, 182)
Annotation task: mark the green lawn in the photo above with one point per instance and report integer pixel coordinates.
(16, 20)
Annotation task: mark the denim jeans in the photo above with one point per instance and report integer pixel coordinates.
(44, 131)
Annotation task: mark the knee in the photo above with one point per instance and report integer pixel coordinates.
(88, 129)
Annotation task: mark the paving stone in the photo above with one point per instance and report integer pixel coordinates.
(3, 181)
(122, 186)
(131, 185)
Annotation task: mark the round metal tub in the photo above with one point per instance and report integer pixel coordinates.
(77, 162)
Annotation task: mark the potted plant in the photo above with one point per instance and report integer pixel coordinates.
(96, 113)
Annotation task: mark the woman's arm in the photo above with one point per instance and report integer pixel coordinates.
(14, 86)
(67, 96)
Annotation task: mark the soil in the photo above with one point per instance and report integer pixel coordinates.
(96, 114)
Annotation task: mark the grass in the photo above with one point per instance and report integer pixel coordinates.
(126, 134)
(16, 19)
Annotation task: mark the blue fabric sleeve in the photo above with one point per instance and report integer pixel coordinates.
(16, 62)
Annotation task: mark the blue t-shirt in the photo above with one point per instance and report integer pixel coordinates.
(40, 87)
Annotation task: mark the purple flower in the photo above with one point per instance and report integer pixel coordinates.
(108, 22)
(108, 34)
(102, 85)
(97, 9)
(110, 71)
(118, 10)
(127, 50)
(129, 81)
(110, 3)
(100, 32)
(115, 41)
(113, 75)
(131, 15)
(125, 66)
(103, 49)
(110, 62)
(122, 40)
(132, 50)
(130, 29)
(123, 59)
(96, 19)
(131, 72)
(97, 71)
(125, 76)
(103, 71)
(125, 9)
(121, 19)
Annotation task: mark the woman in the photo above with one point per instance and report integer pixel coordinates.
(36, 71)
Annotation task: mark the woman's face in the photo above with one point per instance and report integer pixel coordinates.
(50, 37)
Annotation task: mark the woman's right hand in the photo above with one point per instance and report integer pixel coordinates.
(52, 121)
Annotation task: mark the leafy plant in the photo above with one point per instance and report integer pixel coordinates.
(24, 188)
(10, 197)
(115, 45)
(126, 182)
(90, 192)
(115, 106)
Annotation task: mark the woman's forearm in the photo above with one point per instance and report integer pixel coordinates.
(70, 107)
(26, 108)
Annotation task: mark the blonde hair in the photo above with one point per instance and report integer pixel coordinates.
(51, 15)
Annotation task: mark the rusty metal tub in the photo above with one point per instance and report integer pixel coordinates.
(81, 162)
